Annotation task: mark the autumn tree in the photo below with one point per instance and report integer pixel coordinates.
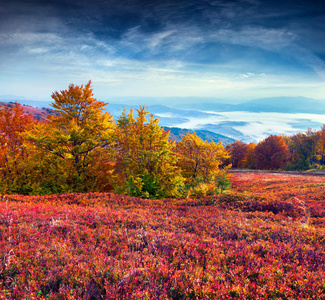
(242, 154)
(300, 153)
(13, 123)
(237, 151)
(271, 153)
(313, 137)
(320, 146)
(73, 138)
(250, 160)
(200, 161)
(145, 164)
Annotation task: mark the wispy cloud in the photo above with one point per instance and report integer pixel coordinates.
(265, 38)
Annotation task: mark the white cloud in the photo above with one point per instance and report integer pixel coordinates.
(160, 38)
(247, 75)
(169, 39)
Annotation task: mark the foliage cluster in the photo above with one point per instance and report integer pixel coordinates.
(301, 151)
(107, 246)
(82, 149)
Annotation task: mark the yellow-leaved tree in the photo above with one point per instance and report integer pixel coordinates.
(69, 146)
(145, 164)
(201, 162)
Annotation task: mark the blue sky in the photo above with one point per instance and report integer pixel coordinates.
(234, 50)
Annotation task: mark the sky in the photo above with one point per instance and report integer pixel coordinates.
(233, 50)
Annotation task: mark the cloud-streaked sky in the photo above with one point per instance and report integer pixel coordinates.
(237, 50)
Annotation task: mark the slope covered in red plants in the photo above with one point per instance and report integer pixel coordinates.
(106, 246)
(302, 192)
(38, 113)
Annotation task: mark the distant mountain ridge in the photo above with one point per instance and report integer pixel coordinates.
(206, 135)
(7, 98)
(274, 104)
(192, 108)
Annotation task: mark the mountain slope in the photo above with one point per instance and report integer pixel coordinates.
(176, 134)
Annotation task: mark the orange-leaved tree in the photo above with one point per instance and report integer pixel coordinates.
(145, 163)
(271, 153)
(237, 151)
(13, 123)
(74, 138)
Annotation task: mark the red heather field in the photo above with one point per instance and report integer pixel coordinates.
(263, 240)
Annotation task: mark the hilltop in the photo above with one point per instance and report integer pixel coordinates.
(39, 114)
